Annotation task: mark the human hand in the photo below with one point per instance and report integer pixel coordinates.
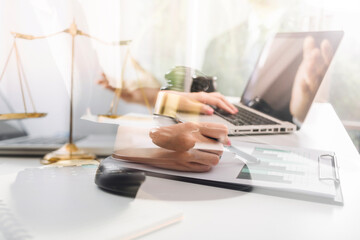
(177, 152)
(135, 96)
(195, 102)
(188, 102)
(189, 161)
(182, 137)
(309, 76)
(104, 82)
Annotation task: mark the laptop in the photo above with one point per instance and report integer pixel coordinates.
(271, 103)
(15, 141)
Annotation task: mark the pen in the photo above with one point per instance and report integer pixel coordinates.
(161, 119)
(249, 158)
(245, 156)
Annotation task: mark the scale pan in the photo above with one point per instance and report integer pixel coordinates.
(11, 116)
(113, 116)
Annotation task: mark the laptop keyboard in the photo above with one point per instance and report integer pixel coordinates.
(244, 117)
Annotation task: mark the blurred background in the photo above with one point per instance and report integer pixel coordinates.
(222, 38)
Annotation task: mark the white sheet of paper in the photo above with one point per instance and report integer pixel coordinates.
(65, 203)
(130, 120)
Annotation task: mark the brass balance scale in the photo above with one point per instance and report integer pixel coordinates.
(23, 81)
(69, 153)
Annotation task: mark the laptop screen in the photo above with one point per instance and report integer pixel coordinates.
(289, 72)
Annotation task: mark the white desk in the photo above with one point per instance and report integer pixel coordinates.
(215, 213)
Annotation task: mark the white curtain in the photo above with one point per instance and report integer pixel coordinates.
(165, 33)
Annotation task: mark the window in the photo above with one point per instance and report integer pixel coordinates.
(220, 37)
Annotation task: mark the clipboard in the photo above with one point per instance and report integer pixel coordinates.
(335, 177)
(320, 169)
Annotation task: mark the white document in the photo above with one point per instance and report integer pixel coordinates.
(280, 168)
(127, 120)
(291, 169)
(64, 203)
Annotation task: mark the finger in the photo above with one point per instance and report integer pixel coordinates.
(177, 142)
(192, 105)
(172, 164)
(188, 167)
(203, 139)
(204, 158)
(205, 109)
(215, 131)
(191, 161)
(308, 46)
(105, 84)
(176, 137)
(215, 101)
(102, 81)
(222, 98)
(326, 51)
(220, 104)
(110, 88)
(197, 102)
(195, 107)
(213, 151)
(196, 167)
(314, 68)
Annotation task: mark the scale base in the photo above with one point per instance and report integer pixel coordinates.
(69, 154)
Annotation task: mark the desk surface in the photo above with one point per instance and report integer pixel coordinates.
(214, 213)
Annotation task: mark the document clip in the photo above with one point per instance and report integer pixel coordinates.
(328, 158)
